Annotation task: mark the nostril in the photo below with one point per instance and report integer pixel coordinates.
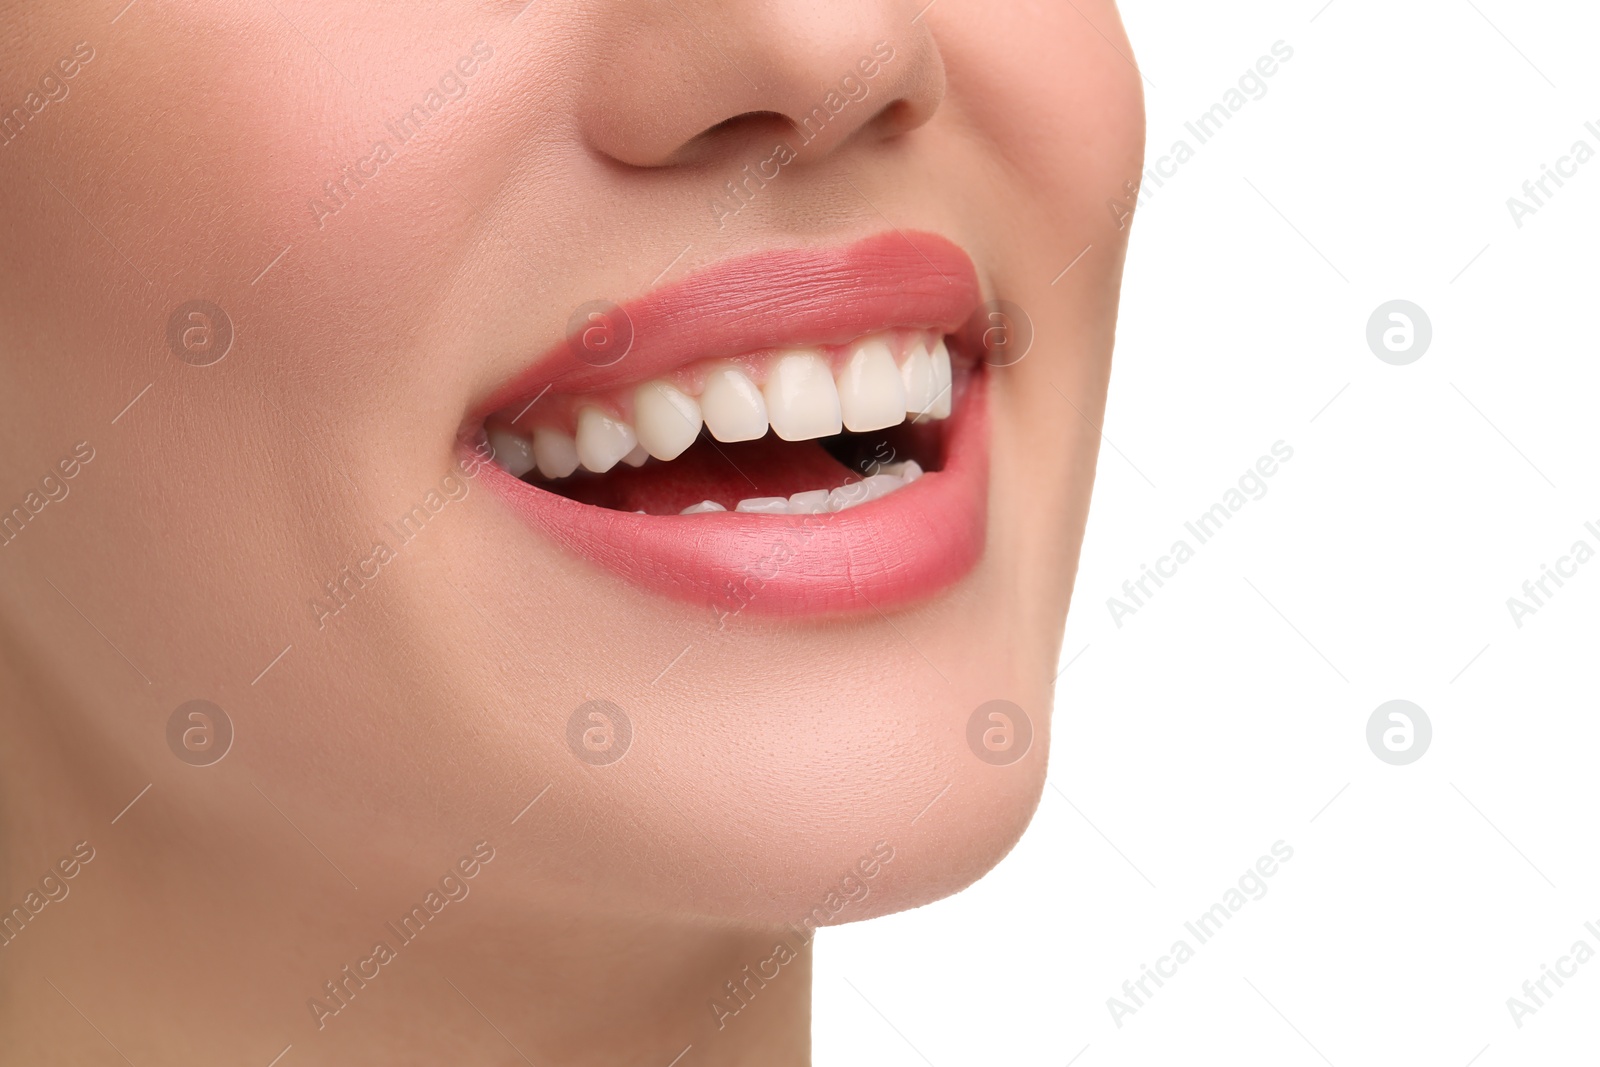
(729, 135)
(896, 118)
(749, 118)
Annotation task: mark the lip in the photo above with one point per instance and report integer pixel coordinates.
(900, 548)
(803, 296)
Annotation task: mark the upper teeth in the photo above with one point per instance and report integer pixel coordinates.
(806, 393)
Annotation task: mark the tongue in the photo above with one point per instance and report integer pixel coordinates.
(710, 470)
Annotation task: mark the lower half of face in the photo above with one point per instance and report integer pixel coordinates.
(657, 441)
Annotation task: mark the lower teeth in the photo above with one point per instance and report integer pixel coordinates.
(888, 478)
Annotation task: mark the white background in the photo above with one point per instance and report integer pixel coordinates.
(1230, 711)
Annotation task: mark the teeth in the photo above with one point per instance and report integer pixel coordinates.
(554, 452)
(872, 394)
(917, 376)
(602, 440)
(822, 501)
(764, 505)
(802, 401)
(908, 472)
(941, 381)
(881, 485)
(811, 502)
(512, 451)
(733, 407)
(867, 489)
(666, 419)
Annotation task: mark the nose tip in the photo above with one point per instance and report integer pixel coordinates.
(692, 81)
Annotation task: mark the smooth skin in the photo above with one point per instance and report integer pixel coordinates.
(374, 748)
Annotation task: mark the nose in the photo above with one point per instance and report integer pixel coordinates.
(678, 82)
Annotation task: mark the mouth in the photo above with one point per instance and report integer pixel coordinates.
(794, 432)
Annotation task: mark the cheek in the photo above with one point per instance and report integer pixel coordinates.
(1039, 85)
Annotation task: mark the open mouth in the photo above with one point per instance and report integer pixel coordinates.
(798, 431)
(793, 431)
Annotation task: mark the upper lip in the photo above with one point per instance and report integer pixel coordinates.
(798, 296)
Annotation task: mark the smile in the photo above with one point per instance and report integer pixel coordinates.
(792, 432)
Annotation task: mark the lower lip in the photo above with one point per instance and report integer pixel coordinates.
(897, 549)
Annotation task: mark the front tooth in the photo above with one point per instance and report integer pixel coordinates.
(702, 508)
(732, 406)
(602, 440)
(512, 451)
(802, 401)
(871, 392)
(554, 452)
(941, 381)
(810, 502)
(764, 505)
(666, 419)
(637, 457)
(917, 376)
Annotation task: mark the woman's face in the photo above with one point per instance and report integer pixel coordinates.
(272, 269)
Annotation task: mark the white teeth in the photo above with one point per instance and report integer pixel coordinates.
(666, 419)
(917, 376)
(941, 381)
(872, 394)
(810, 502)
(802, 401)
(846, 496)
(867, 489)
(764, 505)
(602, 440)
(820, 501)
(907, 472)
(732, 406)
(555, 453)
(511, 451)
(881, 485)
